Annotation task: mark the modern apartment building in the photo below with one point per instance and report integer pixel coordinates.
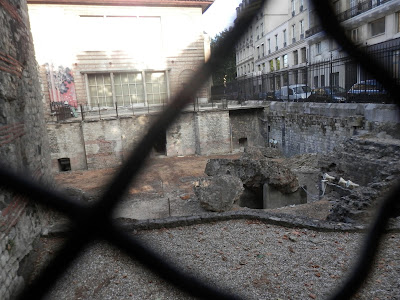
(296, 50)
(121, 53)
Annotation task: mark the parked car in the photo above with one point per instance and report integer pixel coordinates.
(277, 95)
(367, 91)
(295, 92)
(327, 94)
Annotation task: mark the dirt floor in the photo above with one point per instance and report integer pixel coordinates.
(164, 178)
(160, 173)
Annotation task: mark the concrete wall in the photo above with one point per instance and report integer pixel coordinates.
(24, 145)
(66, 141)
(181, 136)
(213, 132)
(248, 125)
(316, 127)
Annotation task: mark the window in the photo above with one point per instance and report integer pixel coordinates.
(336, 7)
(262, 29)
(262, 50)
(252, 67)
(269, 46)
(377, 27)
(355, 35)
(258, 36)
(258, 51)
(271, 65)
(156, 87)
(263, 66)
(259, 67)
(276, 42)
(315, 81)
(293, 33)
(303, 54)
(296, 57)
(322, 80)
(318, 48)
(398, 21)
(293, 7)
(278, 63)
(284, 38)
(301, 5)
(285, 78)
(127, 88)
(396, 64)
(301, 29)
(335, 79)
(100, 89)
(285, 61)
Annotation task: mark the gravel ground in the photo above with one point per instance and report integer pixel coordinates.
(249, 258)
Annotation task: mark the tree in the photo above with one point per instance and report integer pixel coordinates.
(227, 68)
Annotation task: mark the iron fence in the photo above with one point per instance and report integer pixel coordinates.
(339, 79)
(94, 222)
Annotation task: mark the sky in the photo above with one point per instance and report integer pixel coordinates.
(219, 16)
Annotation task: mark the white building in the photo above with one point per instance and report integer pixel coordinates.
(296, 50)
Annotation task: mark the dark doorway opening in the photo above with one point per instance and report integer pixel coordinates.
(160, 146)
(252, 198)
(64, 164)
(243, 142)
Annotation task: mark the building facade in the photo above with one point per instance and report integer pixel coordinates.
(296, 50)
(122, 53)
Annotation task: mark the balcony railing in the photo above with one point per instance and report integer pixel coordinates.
(360, 8)
(313, 30)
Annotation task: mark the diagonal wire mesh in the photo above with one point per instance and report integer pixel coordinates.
(94, 222)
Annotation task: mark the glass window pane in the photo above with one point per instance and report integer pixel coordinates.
(92, 79)
(132, 88)
(93, 91)
(109, 101)
(149, 88)
(119, 100)
(126, 100)
(125, 89)
(108, 91)
(107, 79)
(117, 78)
(156, 88)
(100, 90)
(118, 90)
(132, 77)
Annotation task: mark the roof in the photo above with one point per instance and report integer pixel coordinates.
(204, 4)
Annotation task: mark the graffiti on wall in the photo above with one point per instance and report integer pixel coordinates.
(61, 85)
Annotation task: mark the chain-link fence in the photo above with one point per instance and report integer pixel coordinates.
(94, 222)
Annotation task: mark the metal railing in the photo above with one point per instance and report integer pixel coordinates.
(94, 222)
(360, 8)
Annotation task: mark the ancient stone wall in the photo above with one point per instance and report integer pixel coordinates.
(105, 143)
(298, 128)
(24, 145)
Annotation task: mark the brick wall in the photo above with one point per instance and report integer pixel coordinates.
(23, 142)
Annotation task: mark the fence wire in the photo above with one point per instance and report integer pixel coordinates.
(94, 222)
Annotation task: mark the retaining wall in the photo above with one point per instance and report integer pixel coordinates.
(320, 127)
(106, 143)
